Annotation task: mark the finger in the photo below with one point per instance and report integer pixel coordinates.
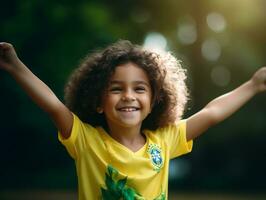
(5, 45)
(2, 44)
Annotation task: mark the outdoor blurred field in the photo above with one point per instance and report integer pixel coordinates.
(220, 43)
(62, 195)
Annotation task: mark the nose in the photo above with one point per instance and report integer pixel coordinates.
(128, 96)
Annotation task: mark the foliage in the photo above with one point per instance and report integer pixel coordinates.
(117, 189)
(52, 36)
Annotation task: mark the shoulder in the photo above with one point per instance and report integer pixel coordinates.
(178, 126)
(168, 131)
(80, 130)
(172, 138)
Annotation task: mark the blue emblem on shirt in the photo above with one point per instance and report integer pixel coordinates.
(155, 155)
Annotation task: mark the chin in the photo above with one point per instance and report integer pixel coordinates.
(130, 124)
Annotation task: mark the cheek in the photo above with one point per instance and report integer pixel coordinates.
(111, 100)
(147, 102)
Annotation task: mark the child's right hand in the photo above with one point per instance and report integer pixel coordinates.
(8, 56)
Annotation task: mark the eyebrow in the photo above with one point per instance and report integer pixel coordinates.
(134, 82)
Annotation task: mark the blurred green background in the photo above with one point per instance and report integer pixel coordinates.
(220, 43)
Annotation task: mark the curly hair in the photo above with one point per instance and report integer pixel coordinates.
(85, 87)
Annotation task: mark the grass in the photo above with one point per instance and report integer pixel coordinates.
(72, 195)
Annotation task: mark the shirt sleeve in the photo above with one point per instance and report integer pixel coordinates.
(175, 138)
(79, 137)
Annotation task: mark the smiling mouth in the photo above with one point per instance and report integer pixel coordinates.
(128, 109)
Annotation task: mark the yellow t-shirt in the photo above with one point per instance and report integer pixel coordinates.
(108, 170)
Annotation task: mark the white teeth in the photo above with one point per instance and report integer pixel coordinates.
(128, 109)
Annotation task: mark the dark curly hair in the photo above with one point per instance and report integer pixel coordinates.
(84, 90)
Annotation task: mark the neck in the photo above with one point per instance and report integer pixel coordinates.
(132, 138)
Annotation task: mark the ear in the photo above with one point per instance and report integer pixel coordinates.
(99, 110)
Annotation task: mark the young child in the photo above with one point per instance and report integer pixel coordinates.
(121, 123)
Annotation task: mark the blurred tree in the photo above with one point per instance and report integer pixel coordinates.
(52, 36)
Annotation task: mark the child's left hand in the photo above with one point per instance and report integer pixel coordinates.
(259, 79)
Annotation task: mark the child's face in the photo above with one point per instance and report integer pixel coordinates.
(127, 99)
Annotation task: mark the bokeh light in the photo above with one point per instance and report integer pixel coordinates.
(216, 22)
(220, 76)
(211, 49)
(178, 169)
(155, 42)
(187, 32)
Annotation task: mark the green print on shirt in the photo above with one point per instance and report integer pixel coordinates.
(116, 189)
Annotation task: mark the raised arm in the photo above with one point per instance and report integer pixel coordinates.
(224, 106)
(39, 92)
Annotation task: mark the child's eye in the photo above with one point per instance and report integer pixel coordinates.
(115, 89)
(140, 89)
